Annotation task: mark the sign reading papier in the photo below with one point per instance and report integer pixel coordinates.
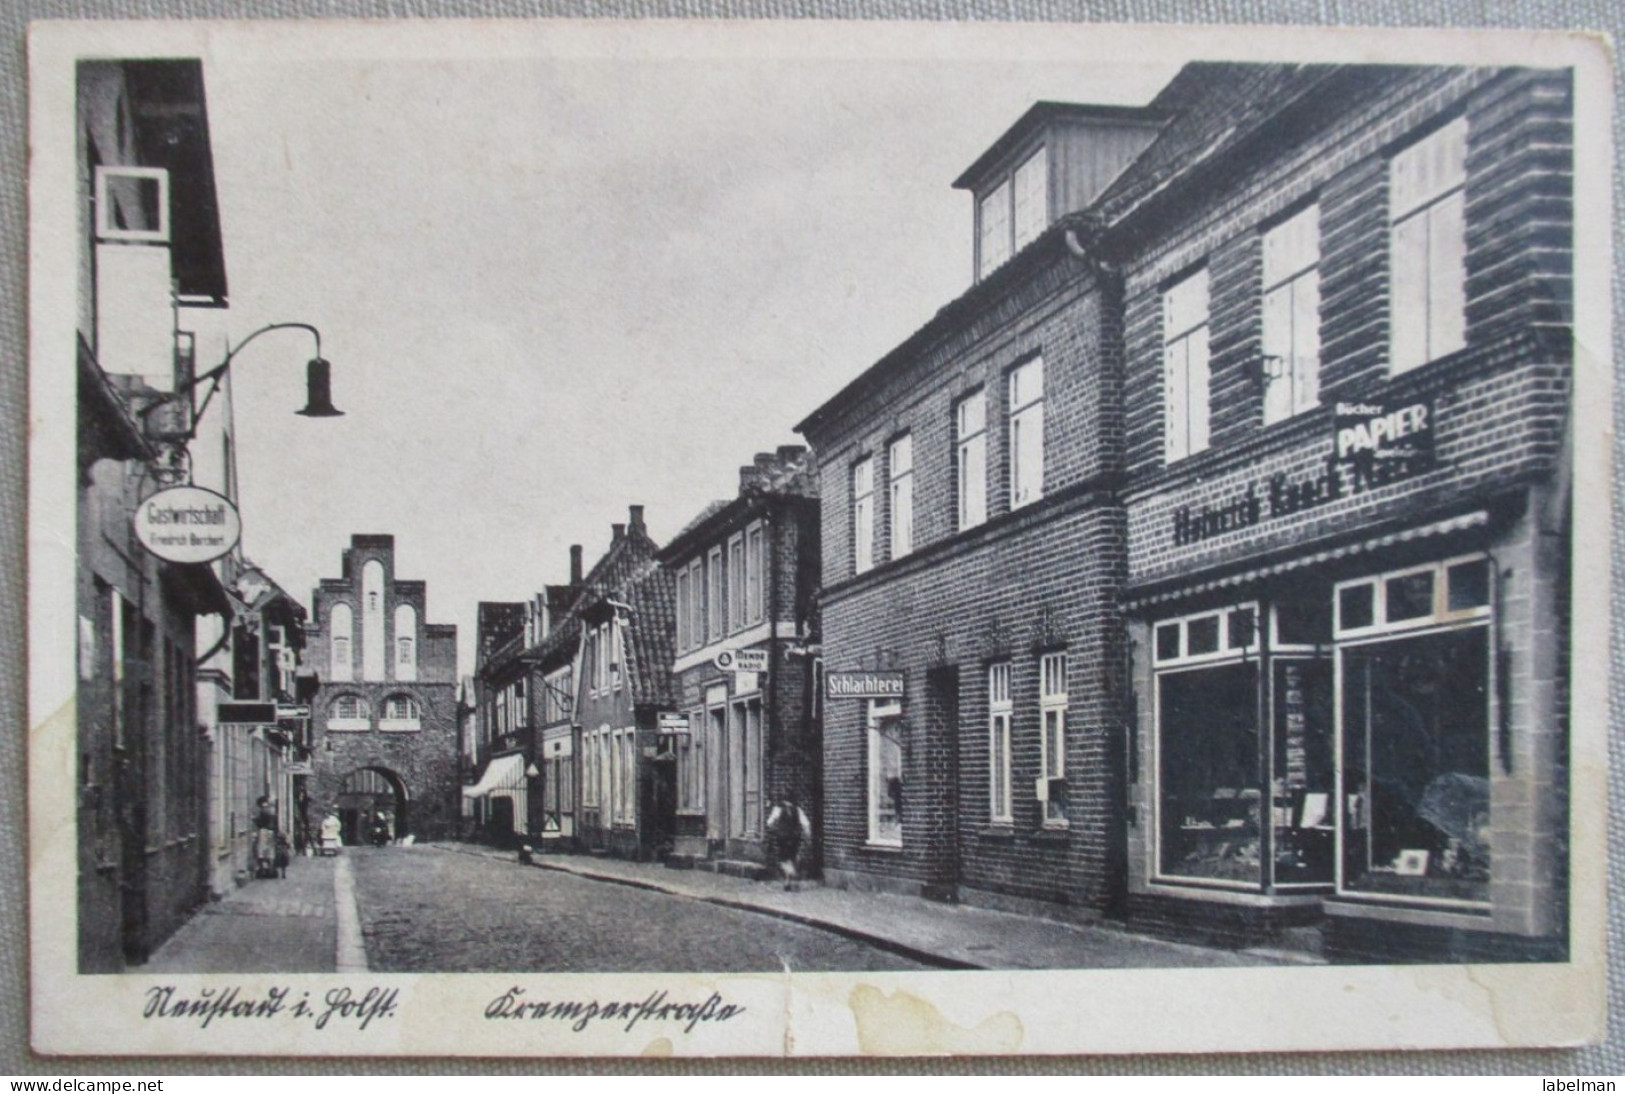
(879, 684)
(188, 524)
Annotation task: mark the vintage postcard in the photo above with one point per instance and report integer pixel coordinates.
(569, 538)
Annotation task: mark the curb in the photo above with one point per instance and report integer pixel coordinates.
(879, 942)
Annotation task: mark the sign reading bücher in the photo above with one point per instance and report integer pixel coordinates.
(880, 684)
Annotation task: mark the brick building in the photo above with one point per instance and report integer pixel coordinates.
(973, 552)
(746, 574)
(1346, 400)
(385, 714)
(626, 771)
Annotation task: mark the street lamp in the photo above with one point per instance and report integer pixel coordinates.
(173, 432)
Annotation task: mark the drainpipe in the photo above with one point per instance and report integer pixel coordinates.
(770, 544)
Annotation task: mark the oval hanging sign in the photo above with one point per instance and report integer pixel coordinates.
(188, 524)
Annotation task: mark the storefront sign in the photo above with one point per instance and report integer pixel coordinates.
(1374, 444)
(289, 713)
(672, 725)
(188, 524)
(301, 769)
(741, 660)
(880, 684)
(245, 714)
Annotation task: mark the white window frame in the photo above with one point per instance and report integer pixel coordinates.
(1027, 423)
(105, 230)
(736, 582)
(1438, 209)
(683, 608)
(900, 468)
(1441, 616)
(863, 515)
(341, 643)
(879, 709)
(1291, 316)
(617, 654)
(716, 623)
(755, 573)
(970, 460)
(1000, 711)
(360, 720)
(1013, 213)
(1225, 651)
(1052, 708)
(412, 718)
(1186, 366)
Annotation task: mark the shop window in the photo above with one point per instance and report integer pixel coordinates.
(1185, 367)
(885, 731)
(1052, 718)
(1027, 433)
(1291, 329)
(1428, 248)
(691, 765)
(863, 515)
(1303, 790)
(970, 459)
(1220, 633)
(1416, 694)
(999, 710)
(1209, 792)
(901, 468)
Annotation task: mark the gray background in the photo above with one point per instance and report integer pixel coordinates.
(15, 1057)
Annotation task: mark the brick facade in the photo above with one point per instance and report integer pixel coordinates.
(1495, 487)
(417, 759)
(1041, 578)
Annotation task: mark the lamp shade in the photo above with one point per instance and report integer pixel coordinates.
(319, 390)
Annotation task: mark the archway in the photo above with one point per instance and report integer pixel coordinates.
(369, 792)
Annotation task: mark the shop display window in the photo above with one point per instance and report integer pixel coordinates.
(885, 772)
(1416, 696)
(1302, 788)
(1210, 792)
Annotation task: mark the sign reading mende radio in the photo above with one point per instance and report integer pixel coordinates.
(188, 524)
(1373, 444)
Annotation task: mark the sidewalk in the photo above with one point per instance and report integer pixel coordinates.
(941, 935)
(286, 925)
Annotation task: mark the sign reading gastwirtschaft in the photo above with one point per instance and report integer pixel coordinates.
(188, 524)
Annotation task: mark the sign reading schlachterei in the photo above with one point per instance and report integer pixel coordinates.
(1373, 444)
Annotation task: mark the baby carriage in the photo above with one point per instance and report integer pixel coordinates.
(329, 841)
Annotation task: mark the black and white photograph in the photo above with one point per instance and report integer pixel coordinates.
(579, 538)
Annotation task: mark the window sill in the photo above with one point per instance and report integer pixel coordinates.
(885, 848)
(1052, 833)
(399, 725)
(349, 725)
(1003, 831)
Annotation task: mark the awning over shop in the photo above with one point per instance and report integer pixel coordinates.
(502, 773)
(1466, 521)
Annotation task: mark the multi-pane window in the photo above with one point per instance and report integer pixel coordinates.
(755, 571)
(1428, 248)
(1185, 367)
(400, 712)
(863, 515)
(999, 709)
(1292, 316)
(696, 604)
(901, 465)
(1027, 433)
(691, 765)
(713, 592)
(348, 712)
(970, 459)
(1052, 715)
(995, 235)
(1013, 213)
(617, 655)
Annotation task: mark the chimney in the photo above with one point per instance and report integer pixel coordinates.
(617, 532)
(575, 563)
(636, 512)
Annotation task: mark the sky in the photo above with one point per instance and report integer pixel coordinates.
(552, 287)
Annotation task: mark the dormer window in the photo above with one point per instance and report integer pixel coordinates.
(1013, 213)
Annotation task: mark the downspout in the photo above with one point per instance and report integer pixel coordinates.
(776, 730)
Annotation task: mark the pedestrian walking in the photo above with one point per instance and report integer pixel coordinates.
(790, 833)
(265, 835)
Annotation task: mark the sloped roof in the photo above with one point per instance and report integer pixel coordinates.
(1214, 109)
(653, 599)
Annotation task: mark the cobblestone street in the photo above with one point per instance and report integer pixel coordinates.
(425, 909)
